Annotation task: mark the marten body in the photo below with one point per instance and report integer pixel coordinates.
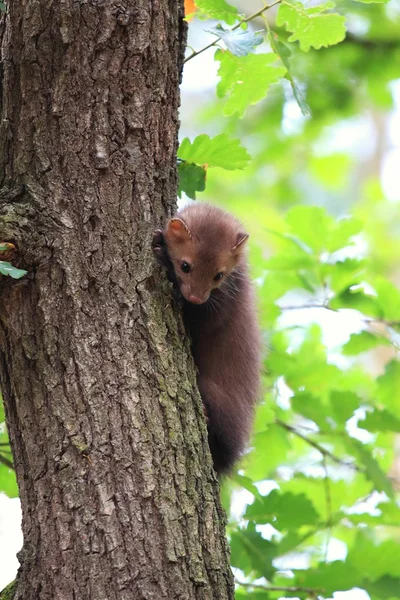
(203, 248)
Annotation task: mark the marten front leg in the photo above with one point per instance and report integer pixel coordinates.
(159, 248)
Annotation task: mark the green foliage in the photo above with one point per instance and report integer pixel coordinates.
(9, 592)
(312, 27)
(217, 9)
(245, 80)
(220, 151)
(8, 483)
(7, 269)
(195, 157)
(324, 251)
(192, 179)
(331, 471)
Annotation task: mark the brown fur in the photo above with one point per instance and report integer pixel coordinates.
(224, 330)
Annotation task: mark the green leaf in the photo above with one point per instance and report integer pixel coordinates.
(372, 468)
(332, 171)
(238, 41)
(388, 299)
(386, 588)
(284, 511)
(245, 79)
(380, 420)
(343, 493)
(330, 577)
(344, 274)
(389, 386)
(250, 552)
(311, 224)
(268, 449)
(247, 484)
(3, 7)
(363, 342)
(8, 482)
(192, 179)
(217, 9)
(307, 368)
(220, 151)
(310, 27)
(265, 416)
(342, 233)
(357, 299)
(374, 560)
(296, 260)
(389, 515)
(7, 269)
(343, 405)
(310, 407)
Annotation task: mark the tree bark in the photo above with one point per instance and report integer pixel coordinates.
(118, 494)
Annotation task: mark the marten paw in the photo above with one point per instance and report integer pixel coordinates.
(158, 243)
(159, 248)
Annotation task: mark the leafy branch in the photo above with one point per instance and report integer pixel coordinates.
(237, 26)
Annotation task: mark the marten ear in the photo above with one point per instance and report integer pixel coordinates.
(240, 242)
(178, 229)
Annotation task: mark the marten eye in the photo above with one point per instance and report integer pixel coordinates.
(218, 276)
(185, 267)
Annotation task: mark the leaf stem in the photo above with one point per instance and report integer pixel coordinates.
(245, 20)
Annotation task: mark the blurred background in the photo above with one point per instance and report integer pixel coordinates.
(345, 158)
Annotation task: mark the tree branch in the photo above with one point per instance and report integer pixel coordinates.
(279, 588)
(325, 453)
(245, 20)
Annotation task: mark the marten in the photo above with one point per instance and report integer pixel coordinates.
(204, 250)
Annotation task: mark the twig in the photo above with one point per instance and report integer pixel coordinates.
(366, 320)
(326, 453)
(5, 461)
(245, 20)
(304, 306)
(382, 322)
(279, 588)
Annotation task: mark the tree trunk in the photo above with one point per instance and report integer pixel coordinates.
(118, 494)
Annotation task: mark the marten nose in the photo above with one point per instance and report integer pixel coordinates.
(195, 299)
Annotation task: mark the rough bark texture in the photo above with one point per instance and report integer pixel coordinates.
(118, 495)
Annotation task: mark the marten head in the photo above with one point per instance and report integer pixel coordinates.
(205, 245)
